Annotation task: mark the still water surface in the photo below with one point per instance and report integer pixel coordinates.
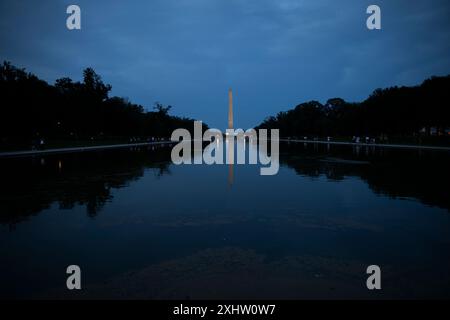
(140, 227)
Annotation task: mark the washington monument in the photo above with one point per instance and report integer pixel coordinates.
(230, 109)
(230, 126)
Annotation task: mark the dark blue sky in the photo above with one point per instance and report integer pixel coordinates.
(274, 54)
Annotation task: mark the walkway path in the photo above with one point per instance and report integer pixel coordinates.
(381, 145)
(127, 145)
(79, 149)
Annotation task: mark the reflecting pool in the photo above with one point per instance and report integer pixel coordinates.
(140, 227)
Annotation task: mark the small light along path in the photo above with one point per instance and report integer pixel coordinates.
(362, 144)
(26, 153)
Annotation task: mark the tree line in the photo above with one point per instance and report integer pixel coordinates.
(33, 109)
(394, 111)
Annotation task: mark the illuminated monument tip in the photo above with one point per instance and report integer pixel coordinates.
(230, 109)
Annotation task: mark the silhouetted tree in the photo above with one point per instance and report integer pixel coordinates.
(397, 111)
(32, 109)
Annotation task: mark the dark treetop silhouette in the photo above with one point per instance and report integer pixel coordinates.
(396, 111)
(32, 109)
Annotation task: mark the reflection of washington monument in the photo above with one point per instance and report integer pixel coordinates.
(230, 126)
